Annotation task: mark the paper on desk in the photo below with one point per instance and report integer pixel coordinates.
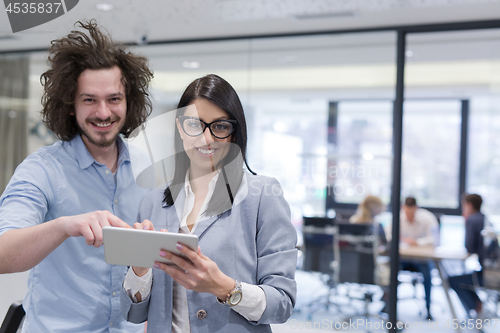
(450, 251)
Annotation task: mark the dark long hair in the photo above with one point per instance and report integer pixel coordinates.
(91, 49)
(219, 92)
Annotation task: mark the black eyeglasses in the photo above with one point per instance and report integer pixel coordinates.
(220, 129)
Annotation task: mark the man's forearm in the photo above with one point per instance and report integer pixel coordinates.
(23, 249)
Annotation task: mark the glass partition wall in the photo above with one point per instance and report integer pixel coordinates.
(451, 114)
(286, 86)
(295, 81)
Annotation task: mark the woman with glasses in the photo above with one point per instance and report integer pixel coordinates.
(241, 277)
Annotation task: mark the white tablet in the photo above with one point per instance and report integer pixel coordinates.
(141, 248)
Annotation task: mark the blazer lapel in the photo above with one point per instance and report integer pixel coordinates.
(174, 215)
(205, 224)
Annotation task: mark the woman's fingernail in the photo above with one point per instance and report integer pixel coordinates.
(179, 246)
(163, 253)
(145, 228)
(156, 266)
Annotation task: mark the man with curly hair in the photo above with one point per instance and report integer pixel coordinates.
(54, 207)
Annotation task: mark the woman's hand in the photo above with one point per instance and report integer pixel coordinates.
(199, 273)
(145, 225)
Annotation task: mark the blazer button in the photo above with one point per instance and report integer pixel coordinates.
(202, 314)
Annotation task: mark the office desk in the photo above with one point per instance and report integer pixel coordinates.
(436, 255)
(328, 230)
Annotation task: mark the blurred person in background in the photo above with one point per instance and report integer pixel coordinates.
(367, 210)
(474, 243)
(418, 227)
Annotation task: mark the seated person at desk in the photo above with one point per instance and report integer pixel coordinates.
(366, 212)
(474, 224)
(417, 227)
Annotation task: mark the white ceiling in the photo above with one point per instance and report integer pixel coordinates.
(170, 20)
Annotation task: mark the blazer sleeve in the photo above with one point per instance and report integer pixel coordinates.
(134, 312)
(277, 256)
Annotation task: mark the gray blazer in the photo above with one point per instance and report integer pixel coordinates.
(253, 242)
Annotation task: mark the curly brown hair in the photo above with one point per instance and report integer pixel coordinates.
(78, 51)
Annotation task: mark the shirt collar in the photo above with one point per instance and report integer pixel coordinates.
(123, 153)
(84, 157)
(211, 185)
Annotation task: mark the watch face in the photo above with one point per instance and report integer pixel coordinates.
(235, 298)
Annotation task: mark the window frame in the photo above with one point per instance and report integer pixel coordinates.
(331, 203)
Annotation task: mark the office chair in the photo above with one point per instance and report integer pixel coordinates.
(343, 215)
(490, 287)
(413, 278)
(359, 247)
(488, 291)
(321, 255)
(13, 318)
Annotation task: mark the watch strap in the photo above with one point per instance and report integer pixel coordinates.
(237, 288)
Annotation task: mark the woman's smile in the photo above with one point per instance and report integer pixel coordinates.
(206, 151)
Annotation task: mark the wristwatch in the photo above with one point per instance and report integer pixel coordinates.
(234, 297)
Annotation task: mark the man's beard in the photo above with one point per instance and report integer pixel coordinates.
(99, 143)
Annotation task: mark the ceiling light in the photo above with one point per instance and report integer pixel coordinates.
(105, 7)
(409, 53)
(191, 64)
(325, 15)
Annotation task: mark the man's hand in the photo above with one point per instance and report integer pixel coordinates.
(23, 249)
(90, 225)
(409, 241)
(145, 225)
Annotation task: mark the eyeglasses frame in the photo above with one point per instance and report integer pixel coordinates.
(208, 125)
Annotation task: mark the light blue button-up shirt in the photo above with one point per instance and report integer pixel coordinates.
(73, 289)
